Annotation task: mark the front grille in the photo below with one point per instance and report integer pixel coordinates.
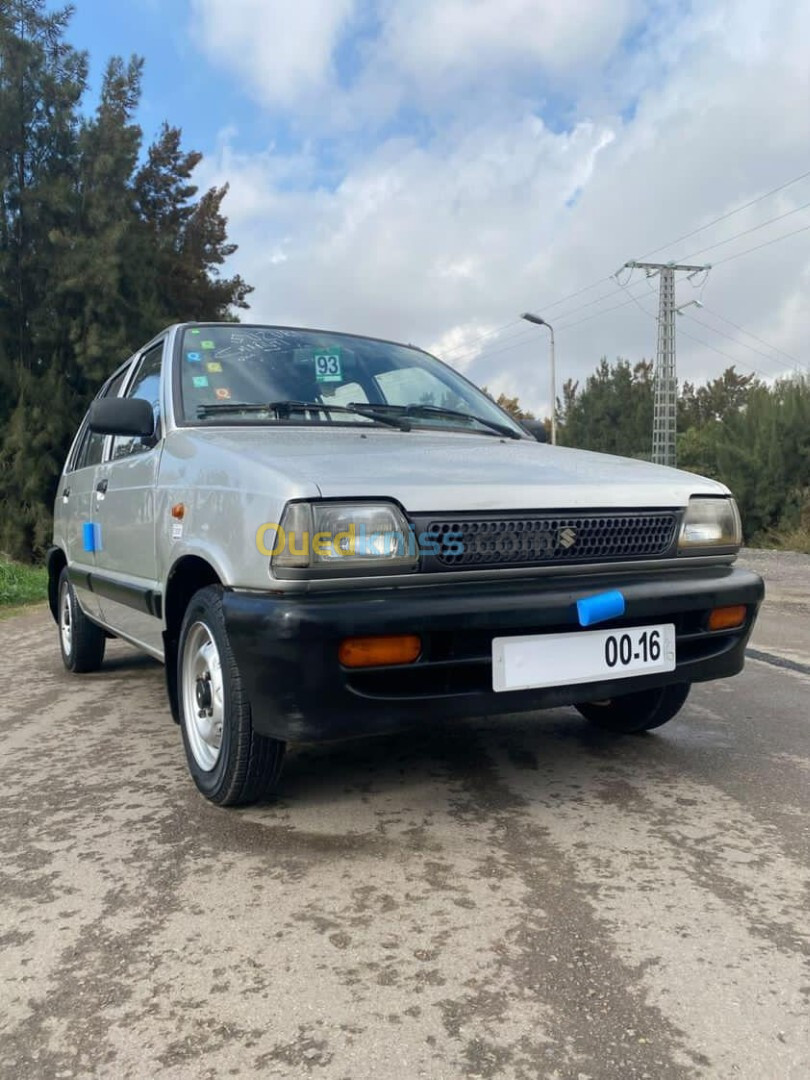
(466, 542)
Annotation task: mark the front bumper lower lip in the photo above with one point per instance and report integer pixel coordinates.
(287, 646)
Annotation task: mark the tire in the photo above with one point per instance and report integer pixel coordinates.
(81, 642)
(229, 762)
(630, 714)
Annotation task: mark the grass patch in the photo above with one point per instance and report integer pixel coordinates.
(797, 539)
(22, 584)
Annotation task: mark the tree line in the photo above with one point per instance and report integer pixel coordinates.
(103, 242)
(751, 435)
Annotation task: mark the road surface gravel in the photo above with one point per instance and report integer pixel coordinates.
(520, 897)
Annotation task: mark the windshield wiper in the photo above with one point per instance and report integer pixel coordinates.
(438, 411)
(283, 409)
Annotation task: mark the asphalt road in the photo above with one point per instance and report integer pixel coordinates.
(512, 898)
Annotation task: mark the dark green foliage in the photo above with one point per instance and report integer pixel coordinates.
(753, 437)
(613, 413)
(99, 250)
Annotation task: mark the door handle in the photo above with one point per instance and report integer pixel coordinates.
(66, 494)
(101, 489)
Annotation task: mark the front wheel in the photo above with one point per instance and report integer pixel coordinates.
(642, 711)
(229, 762)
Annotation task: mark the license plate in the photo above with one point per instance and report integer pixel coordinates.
(537, 660)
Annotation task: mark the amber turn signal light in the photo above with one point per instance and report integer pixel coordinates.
(727, 618)
(359, 652)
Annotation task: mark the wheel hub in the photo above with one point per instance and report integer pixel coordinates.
(203, 693)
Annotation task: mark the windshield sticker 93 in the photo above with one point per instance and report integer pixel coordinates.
(328, 367)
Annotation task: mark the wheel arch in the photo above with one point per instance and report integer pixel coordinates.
(55, 561)
(187, 576)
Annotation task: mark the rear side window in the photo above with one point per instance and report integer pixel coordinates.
(91, 447)
(146, 386)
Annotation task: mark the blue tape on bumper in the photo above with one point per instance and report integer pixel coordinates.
(600, 608)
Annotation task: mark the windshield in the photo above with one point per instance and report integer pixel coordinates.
(274, 372)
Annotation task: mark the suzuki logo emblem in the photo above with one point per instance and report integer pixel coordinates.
(567, 537)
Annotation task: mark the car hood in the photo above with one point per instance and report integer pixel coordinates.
(432, 471)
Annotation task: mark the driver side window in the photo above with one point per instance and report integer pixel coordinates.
(146, 386)
(91, 449)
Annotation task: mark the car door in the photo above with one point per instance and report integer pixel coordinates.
(74, 523)
(124, 495)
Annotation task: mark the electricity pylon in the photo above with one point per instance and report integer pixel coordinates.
(665, 411)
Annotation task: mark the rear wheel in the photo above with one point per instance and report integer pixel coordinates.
(230, 763)
(81, 642)
(642, 711)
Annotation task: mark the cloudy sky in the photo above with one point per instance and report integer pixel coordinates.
(426, 170)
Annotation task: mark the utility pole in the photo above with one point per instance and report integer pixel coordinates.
(665, 411)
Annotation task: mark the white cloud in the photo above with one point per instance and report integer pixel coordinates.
(281, 50)
(441, 41)
(441, 240)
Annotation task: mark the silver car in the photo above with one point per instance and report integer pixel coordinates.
(324, 535)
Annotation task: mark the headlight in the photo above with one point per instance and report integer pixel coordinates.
(710, 523)
(344, 536)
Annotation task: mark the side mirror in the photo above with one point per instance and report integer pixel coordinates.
(537, 429)
(122, 416)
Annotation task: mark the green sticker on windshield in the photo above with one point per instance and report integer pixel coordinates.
(327, 365)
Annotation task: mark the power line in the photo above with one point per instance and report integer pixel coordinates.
(767, 243)
(571, 296)
(745, 345)
(693, 337)
(461, 352)
(745, 232)
(731, 213)
(597, 314)
(721, 352)
(748, 333)
(479, 337)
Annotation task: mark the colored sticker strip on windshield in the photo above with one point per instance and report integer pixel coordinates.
(328, 367)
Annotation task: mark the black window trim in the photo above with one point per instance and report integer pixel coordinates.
(135, 362)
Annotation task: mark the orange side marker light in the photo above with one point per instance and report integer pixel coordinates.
(373, 651)
(728, 618)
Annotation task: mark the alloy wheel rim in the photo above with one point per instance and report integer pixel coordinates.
(203, 696)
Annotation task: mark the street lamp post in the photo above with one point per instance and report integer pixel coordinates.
(542, 322)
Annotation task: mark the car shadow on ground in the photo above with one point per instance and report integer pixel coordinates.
(548, 748)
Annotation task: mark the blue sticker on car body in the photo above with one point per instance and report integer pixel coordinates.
(194, 357)
(91, 537)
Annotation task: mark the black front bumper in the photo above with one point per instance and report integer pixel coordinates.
(286, 646)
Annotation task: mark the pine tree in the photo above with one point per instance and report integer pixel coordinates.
(42, 80)
(98, 251)
(613, 412)
(189, 239)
